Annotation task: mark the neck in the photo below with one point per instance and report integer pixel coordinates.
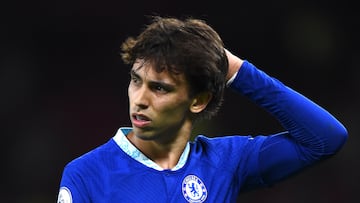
(167, 153)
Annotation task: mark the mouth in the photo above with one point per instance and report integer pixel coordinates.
(140, 120)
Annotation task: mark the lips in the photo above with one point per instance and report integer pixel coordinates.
(140, 120)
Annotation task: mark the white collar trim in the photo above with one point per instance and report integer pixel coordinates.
(132, 151)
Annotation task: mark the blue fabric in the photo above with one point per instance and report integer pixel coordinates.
(217, 169)
(312, 132)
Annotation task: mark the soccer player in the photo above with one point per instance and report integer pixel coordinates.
(179, 71)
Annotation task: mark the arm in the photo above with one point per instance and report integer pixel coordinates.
(234, 64)
(312, 133)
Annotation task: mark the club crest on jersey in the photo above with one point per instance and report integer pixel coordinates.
(193, 189)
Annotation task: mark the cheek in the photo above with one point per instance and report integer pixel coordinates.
(177, 108)
(129, 93)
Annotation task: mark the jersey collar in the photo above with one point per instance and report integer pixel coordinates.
(132, 151)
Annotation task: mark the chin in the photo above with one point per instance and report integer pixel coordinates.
(143, 135)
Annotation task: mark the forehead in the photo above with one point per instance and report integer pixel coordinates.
(148, 71)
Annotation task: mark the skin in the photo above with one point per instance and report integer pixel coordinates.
(234, 64)
(161, 111)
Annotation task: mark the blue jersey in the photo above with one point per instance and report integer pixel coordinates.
(211, 169)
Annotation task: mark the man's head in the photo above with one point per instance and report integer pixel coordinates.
(189, 47)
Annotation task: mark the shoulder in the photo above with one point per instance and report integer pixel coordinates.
(228, 141)
(227, 153)
(95, 157)
(227, 147)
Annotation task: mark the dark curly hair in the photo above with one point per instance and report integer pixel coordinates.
(188, 46)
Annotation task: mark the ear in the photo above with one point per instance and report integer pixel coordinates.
(200, 101)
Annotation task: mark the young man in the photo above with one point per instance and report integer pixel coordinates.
(180, 69)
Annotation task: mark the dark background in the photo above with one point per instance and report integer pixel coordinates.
(63, 87)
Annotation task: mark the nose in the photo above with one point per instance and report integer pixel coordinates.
(141, 98)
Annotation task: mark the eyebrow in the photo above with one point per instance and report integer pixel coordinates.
(133, 73)
(154, 82)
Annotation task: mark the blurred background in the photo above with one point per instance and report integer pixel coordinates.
(63, 86)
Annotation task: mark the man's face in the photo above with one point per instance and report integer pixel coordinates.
(159, 103)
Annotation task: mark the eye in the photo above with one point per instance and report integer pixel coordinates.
(134, 79)
(160, 88)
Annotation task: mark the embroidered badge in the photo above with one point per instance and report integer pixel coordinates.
(64, 195)
(193, 189)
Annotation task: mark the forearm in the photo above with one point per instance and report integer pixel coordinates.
(235, 64)
(308, 123)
